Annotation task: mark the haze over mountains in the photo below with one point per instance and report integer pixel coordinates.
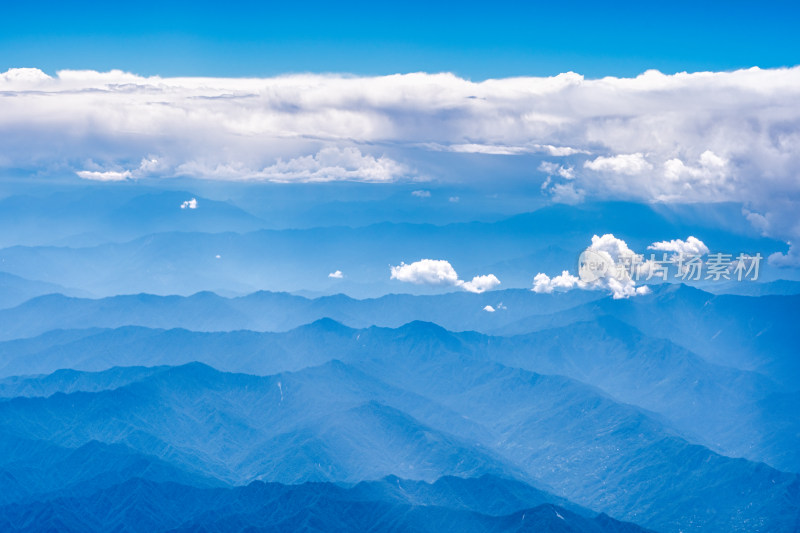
(139, 239)
(147, 384)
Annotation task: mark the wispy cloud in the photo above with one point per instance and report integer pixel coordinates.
(108, 175)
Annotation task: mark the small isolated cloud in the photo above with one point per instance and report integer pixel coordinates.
(454, 199)
(544, 284)
(110, 175)
(421, 194)
(758, 221)
(627, 164)
(441, 272)
(691, 246)
(218, 256)
(336, 275)
(790, 259)
(554, 169)
(566, 193)
(426, 271)
(489, 309)
(189, 204)
(481, 283)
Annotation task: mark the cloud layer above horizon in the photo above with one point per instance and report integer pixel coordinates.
(709, 136)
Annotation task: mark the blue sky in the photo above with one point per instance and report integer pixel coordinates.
(474, 40)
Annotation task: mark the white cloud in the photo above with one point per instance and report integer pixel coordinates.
(329, 164)
(481, 283)
(560, 193)
(628, 164)
(440, 272)
(189, 204)
(426, 271)
(491, 149)
(109, 175)
(489, 309)
(548, 167)
(454, 199)
(336, 275)
(599, 269)
(565, 193)
(689, 137)
(790, 259)
(542, 283)
(501, 149)
(421, 194)
(691, 246)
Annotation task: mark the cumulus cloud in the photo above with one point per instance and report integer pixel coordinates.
(421, 194)
(607, 264)
(336, 275)
(688, 137)
(544, 284)
(627, 164)
(441, 272)
(480, 283)
(691, 246)
(426, 271)
(489, 309)
(189, 204)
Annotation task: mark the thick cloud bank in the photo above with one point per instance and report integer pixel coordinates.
(709, 136)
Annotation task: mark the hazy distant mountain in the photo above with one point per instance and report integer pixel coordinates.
(265, 311)
(336, 422)
(449, 505)
(314, 425)
(777, 287)
(749, 333)
(88, 217)
(15, 290)
(189, 250)
(36, 470)
(584, 445)
(715, 405)
(675, 410)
